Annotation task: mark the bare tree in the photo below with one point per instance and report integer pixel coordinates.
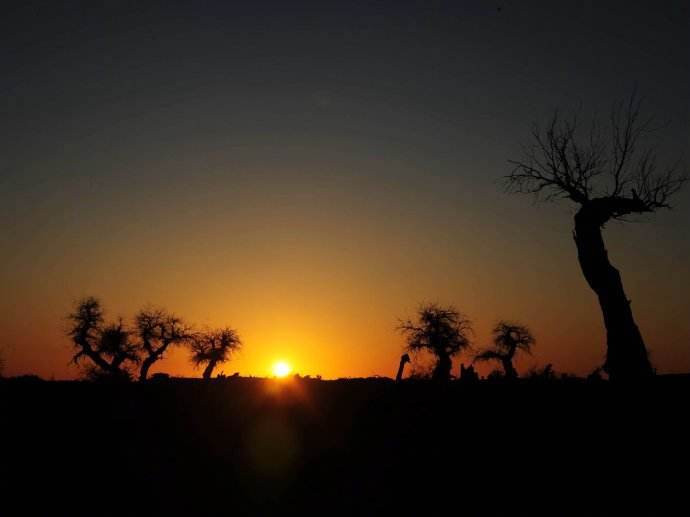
(443, 331)
(107, 346)
(157, 331)
(607, 177)
(212, 347)
(508, 339)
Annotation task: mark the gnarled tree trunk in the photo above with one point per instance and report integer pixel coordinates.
(155, 354)
(508, 368)
(442, 369)
(626, 357)
(104, 365)
(146, 366)
(209, 369)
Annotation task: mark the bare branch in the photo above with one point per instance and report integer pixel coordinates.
(559, 163)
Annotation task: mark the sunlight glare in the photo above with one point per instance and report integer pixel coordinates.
(281, 369)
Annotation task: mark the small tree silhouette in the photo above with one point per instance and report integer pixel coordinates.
(107, 346)
(212, 347)
(509, 338)
(608, 179)
(157, 331)
(443, 331)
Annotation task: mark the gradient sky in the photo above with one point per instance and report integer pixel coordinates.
(310, 173)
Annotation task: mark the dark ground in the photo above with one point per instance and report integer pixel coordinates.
(235, 446)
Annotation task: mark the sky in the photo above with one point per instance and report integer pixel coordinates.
(310, 173)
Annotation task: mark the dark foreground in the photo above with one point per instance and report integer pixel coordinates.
(265, 447)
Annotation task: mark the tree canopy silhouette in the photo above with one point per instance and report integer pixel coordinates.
(443, 331)
(107, 346)
(157, 331)
(212, 347)
(608, 177)
(508, 339)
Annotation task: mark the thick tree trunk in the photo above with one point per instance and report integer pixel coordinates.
(209, 369)
(154, 355)
(626, 357)
(146, 366)
(442, 369)
(508, 368)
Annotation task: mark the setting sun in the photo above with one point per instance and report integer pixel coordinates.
(281, 369)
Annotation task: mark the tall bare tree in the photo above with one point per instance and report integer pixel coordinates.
(157, 330)
(108, 347)
(508, 339)
(608, 175)
(443, 331)
(212, 347)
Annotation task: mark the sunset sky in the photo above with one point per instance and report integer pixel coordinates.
(309, 173)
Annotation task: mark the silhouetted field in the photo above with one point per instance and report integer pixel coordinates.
(369, 446)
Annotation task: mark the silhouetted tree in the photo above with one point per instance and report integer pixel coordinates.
(443, 331)
(212, 347)
(607, 178)
(157, 331)
(107, 346)
(508, 339)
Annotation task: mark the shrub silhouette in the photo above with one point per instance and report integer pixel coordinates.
(509, 338)
(607, 179)
(443, 331)
(212, 347)
(543, 374)
(468, 374)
